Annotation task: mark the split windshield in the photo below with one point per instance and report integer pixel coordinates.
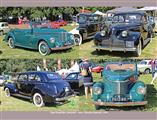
(127, 18)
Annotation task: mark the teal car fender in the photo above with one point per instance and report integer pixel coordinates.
(135, 94)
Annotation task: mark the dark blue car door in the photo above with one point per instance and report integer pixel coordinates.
(33, 81)
(73, 80)
(22, 83)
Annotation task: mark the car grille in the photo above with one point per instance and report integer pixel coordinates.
(120, 90)
(119, 87)
(64, 36)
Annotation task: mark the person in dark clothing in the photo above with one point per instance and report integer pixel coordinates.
(86, 71)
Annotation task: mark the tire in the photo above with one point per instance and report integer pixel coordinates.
(147, 71)
(97, 107)
(7, 92)
(44, 48)
(1, 33)
(38, 100)
(11, 42)
(78, 39)
(138, 49)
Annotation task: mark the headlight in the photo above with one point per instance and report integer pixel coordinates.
(141, 90)
(72, 36)
(129, 44)
(97, 90)
(124, 34)
(52, 40)
(103, 33)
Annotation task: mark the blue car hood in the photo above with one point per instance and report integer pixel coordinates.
(49, 30)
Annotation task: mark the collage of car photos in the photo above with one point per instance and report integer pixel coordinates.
(78, 59)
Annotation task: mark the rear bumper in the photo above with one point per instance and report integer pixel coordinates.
(114, 48)
(120, 104)
(62, 48)
(64, 98)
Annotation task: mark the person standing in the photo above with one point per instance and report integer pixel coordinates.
(86, 72)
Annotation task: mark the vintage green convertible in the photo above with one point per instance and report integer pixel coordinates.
(120, 86)
(40, 36)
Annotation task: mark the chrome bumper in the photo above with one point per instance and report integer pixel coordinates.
(64, 98)
(62, 48)
(121, 104)
(114, 48)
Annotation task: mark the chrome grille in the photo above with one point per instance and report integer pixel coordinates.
(64, 36)
(119, 87)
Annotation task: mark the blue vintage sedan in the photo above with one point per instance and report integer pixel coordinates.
(39, 87)
(40, 36)
(120, 86)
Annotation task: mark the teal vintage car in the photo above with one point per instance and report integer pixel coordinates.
(120, 86)
(40, 36)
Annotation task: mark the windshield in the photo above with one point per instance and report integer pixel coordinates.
(53, 76)
(82, 18)
(41, 25)
(120, 67)
(127, 18)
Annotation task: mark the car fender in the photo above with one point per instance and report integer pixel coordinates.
(8, 35)
(134, 96)
(12, 87)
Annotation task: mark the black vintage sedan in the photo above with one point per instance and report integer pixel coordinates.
(40, 87)
(75, 80)
(129, 31)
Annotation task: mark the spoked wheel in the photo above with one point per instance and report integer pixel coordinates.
(44, 48)
(78, 39)
(7, 92)
(11, 43)
(38, 100)
(138, 49)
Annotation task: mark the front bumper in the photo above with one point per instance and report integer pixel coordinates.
(120, 104)
(62, 48)
(114, 48)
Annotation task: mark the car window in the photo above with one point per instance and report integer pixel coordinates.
(22, 77)
(53, 76)
(6, 24)
(34, 77)
(72, 76)
(143, 62)
(2, 25)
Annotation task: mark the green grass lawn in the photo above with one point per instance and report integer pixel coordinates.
(78, 103)
(86, 50)
(7, 52)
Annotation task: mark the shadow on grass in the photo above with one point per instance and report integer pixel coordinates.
(46, 104)
(53, 51)
(1, 52)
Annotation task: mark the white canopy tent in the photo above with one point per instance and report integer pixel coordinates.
(99, 13)
(147, 8)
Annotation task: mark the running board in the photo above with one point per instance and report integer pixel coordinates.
(22, 96)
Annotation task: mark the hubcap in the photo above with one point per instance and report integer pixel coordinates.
(43, 48)
(7, 92)
(11, 43)
(38, 100)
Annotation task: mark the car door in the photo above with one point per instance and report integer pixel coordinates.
(90, 25)
(22, 83)
(145, 30)
(73, 80)
(23, 37)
